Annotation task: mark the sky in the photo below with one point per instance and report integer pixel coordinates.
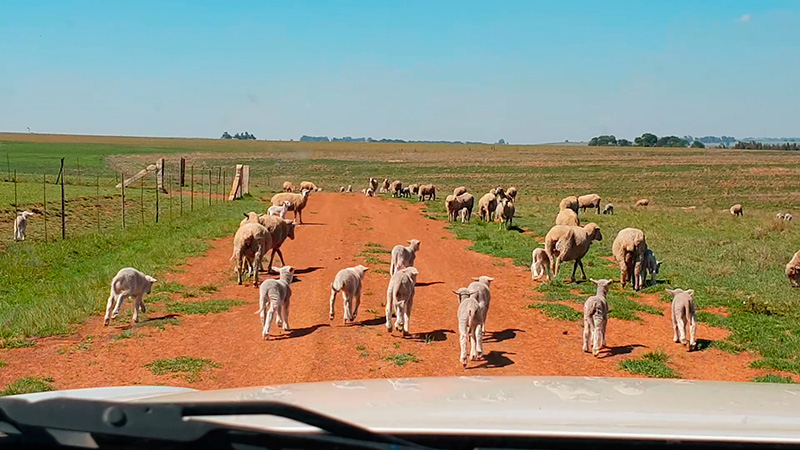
(525, 71)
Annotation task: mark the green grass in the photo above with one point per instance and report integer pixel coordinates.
(181, 364)
(28, 385)
(360, 347)
(652, 364)
(160, 323)
(370, 259)
(208, 288)
(127, 334)
(772, 378)
(558, 311)
(203, 307)
(380, 271)
(624, 308)
(3, 363)
(170, 287)
(14, 342)
(401, 359)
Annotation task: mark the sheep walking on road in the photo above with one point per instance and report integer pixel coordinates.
(297, 202)
(403, 257)
(128, 283)
(250, 243)
(469, 325)
(281, 210)
(540, 266)
(683, 316)
(21, 225)
(348, 281)
(565, 243)
(400, 298)
(427, 190)
(274, 297)
(595, 318)
(480, 287)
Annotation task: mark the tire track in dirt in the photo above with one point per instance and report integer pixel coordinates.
(519, 341)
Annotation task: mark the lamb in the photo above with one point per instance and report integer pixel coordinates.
(784, 216)
(565, 243)
(454, 204)
(642, 202)
(414, 188)
(349, 188)
(463, 215)
(609, 209)
(370, 192)
(298, 202)
(628, 249)
(540, 265)
(683, 316)
(395, 188)
(482, 293)
(251, 242)
(507, 209)
(568, 217)
(403, 257)
(281, 210)
(128, 283)
(341, 189)
(400, 298)
(385, 185)
(405, 192)
(373, 183)
(570, 202)
(348, 281)
(595, 318)
(486, 207)
(309, 186)
(589, 201)
(459, 190)
(649, 264)
(288, 186)
(21, 225)
(278, 293)
(469, 325)
(427, 190)
(499, 193)
(793, 270)
(512, 193)
(736, 210)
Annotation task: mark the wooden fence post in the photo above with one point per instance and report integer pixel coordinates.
(122, 174)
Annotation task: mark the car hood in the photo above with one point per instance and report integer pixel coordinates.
(516, 406)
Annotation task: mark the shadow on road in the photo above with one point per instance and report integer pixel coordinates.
(308, 270)
(496, 359)
(619, 350)
(372, 322)
(299, 332)
(148, 321)
(432, 336)
(500, 336)
(429, 283)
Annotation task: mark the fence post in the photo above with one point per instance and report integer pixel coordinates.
(8, 166)
(223, 185)
(141, 199)
(183, 173)
(44, 198)
(79, 170)
(157, 189)
(63, 203)
(122, 174)
(16, 209)
(97, 207)
(180, 189)
(169, 196)
(191, 190)
(209, 187)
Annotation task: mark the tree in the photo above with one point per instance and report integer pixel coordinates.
(646, 140)
(624, 143)
(671, 141)
(226, 135)
(501, 142)
(698, 144)
(604, 140)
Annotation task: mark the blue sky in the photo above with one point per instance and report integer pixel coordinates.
(526, 71)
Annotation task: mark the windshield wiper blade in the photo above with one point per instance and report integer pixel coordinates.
(172, 422)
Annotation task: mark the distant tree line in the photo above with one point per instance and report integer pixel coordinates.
(753, 145)
(305, 138)
(239, 136)
(645, 140)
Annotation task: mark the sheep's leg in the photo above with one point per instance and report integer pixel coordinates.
(583, 272)
(332, 301)
(574, 268)
(597, 335)
(271, 259)
(637, 274)
(407, 314)
(109, 307)
(346, 301)
(400, 313)
(692, 331)
(120, 299)
(605, 323)
(136, 301)
(238, 270)
(285, 306)
(389, 311)
(682, 327)
(357, 303)
(675, 328)
(587, 333)
(478, 342)
(280, 255)
(464, 341)
(556, 262)
(268, 322)
(256, 264)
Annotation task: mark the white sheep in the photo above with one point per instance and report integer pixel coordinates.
(570, 202)
(565, 243)
(384, 186)
(250, 243)
(405, 192)
(486, 207)
(736, 210)
(568, 217)
(348, 281)
(784, 216)
(480, 288)
(128, 283)
(628, 249)
(370, 192)
(469, 325)
(278, 229)
(793, 270)
(595, 318)
(427, 190)
(21, 225)
(341, 189)
(512, 193)
(459, 190)
(396, 188)
(414, 188)
(278, 293)
(403, 257)
(298, 202)
(288, 186)
(400, 298)
(643, 202)
(455, 204)
(589, 201)
(349, 188)
(608, 209)
(309, 186)
(683, 316)
(649, 265)
(281, 210)
(507, 210)
(463, 215)
(540, 265)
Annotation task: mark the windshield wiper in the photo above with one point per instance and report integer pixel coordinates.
(179, 423)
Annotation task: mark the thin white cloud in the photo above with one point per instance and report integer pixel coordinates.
(745, 18)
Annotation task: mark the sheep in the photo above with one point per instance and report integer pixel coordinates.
(589, 201)
(512, 193)
(298, 202)
(642, 202)
(288, 186)
(309, 186)
(683, 316)
(480, 288)
(403, 257)
(507, 209)
(279, 229)
(414, 188)
(570, 202)
(463, 215)
(349, 188)
(459, 190)
(793, 270)
(427, 190)
(341, 189)
(565, 243)
(649, 264)
(279, 294)
(128, 283)
(486, 206)
(21, 225)
(348, 281)
(395, 188)
(405, 192)
(595, 318)
(568, 217)
(370, 192)
(469, 325)
(540, 265)
(628, 249)
(455, 204)
(385, 185)
(373, 183)
(736, 210)
(251, 242)
(400, 298)
(281, 210)
(608, 209)
(499, 193)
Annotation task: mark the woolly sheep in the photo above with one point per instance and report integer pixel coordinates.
(348, 281)
(463, 215)
(288, 186)
(480, 288)
(454, 204)
(298, 202)
(385, 185)
(405, 192)
(341, 189)
(570, 202)
(309, 186)
(683, 316)
(565, 243)
(281, 210)
(595, 318)
(608, 209)
(370, 192)
(469, 325)
(736, 210)
(540, 265)
(589, 201)
(21, 225)
(395, 188)
(568, 217)
(649, 265)
(128, 283)
(278, 229)
(628, 249)
(278, 293)
(486, 206)
(251, 242)
(512, 193)
(414, 188)
(349, 188)
(373, 183)
(427, 190)
(499, 193)
(400, 298)
(459, 190)
(793, 270)
(642, 202)
(403, 257)
(507, 209)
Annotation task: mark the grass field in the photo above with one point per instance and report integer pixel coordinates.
(733, 264)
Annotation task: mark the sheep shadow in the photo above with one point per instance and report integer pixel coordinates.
(311, 224)
(619, 350)
(299, 332)
(703, 344)
(432, 336)
(145, 322)
(515, 228)
(308, 270)
(428, 283)
(372, 322)
(504, 335)
(495, 359)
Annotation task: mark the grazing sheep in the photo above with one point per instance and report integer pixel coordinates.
(506, 209)
(414, 188)
(405, 192)
(793, 270)
(400, 298)
(649, 264)
(128, 283)
(427, 190)
(540, 266)
(565, 243)
(683, 316)
(463, 215)
(395, 188)
(570, 202)
(288, 186)
(309, 186)
(373, 183)
(370, 192)
(608, 209)
(21, 225)
(568, 217)
(512, 193)
(384, 186)
(341, 189)
(281, 210)
(348, 281)
(251, 242)
(480, 288)
(642, 202)
(298, 202)
(595, 318)
(589, 201)
(469, 325)
(499, 193)
(279, 294)
(459, 190)
(455, 204)
(486, 207)
(349, 188)
(628, 249)
(736, 210)
(403, 257)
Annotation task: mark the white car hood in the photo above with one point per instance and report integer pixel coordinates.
(520, 406)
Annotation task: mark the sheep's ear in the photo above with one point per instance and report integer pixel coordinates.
(593, 280)
(690, 292)
(658, 263)
(245, 214)
(671, 291)
(150, 279)
(476, 278)
(457, 293)
(490, 278)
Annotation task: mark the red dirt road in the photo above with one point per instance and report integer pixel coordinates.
(519, 341)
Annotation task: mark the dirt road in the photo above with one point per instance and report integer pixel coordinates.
(520, 341)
